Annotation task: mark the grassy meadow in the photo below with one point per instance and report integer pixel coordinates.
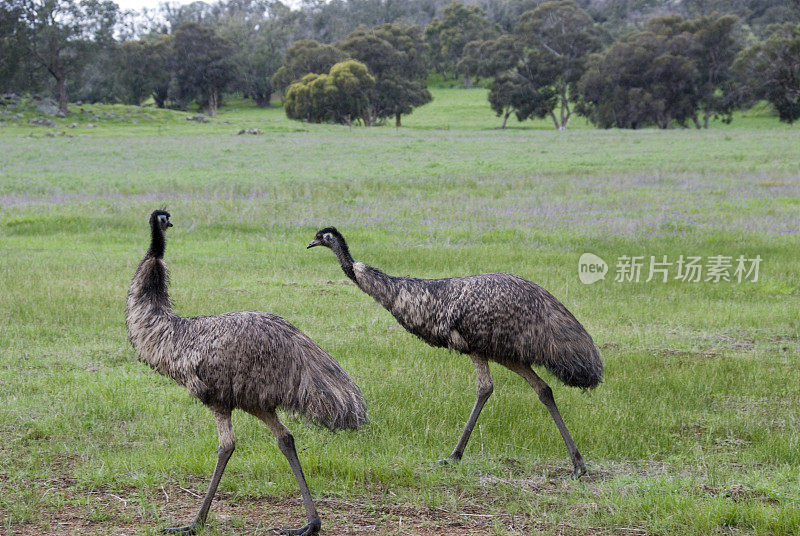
(695, 430)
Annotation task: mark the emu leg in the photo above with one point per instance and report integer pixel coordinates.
(546, 396)
(227, 444)
(485, 388)
(286, 444)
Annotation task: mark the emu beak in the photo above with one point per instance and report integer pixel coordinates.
(169, 223)
(313, 243)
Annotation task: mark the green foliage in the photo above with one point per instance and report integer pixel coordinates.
(670, 72)
(202, 66)
(341, 96)
(60, 36)
(259, 46)
(638, 82)
(394, 55)
(304, 57)
(711, 43)
(771, 70)
(145, 69)
(537, 67)
(447, 36)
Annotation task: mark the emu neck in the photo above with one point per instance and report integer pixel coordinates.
(345, 259)
(148, 293)
(157, 242)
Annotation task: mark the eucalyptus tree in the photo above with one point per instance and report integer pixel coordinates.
(60, 35)
(303, 57)
(770, 70)
(394, 55)
(339, 96)
(449, 34)
(201, 66)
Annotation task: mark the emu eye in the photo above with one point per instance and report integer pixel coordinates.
(162, 218)
(328, 237)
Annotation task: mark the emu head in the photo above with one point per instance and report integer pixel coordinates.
(327, 237)
(159, 219)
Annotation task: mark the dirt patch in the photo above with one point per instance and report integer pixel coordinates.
(130, 512)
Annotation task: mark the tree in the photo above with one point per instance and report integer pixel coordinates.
(259, 46)
(337, 97)
(447, 37)
(555, 39)
(501, 59)
(643, 79)
(60, 35)
(201, 65)
(710, 41)
(771, 70)
(144, 70)
(303, 57)
(12, 54)
(393, 54)
(512, 93)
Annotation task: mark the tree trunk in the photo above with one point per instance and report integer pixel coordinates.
(397, 120)
(467, 81)
(555, 120)
(262, 99)
(213, 99)
(708, 114)
(505, 120)
(61, 83)
(160, 97)
(696, 122)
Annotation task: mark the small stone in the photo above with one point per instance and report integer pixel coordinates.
(41, 122)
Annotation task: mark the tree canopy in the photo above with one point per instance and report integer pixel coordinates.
(340, 96)
(447, 36)
(771, 70)
(394, 55)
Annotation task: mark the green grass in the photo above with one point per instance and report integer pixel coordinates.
(694, 431)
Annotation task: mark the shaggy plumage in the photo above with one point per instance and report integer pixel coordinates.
(491, 317)
(251, 360)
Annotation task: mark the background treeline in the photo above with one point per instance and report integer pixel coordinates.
(620, 63)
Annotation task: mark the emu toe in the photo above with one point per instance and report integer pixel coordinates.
(579, 471)
(187, 529)
(446, 462)
(311, 528)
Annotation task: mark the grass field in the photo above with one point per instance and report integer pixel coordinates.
(695, 430)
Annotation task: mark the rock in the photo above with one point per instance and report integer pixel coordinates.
(72, 125)
(9, 99)
(253, 131)
(47, 107)
(41, 122)
(199, 118)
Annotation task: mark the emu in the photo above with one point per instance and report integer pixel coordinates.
(490, 317)
(253, 361)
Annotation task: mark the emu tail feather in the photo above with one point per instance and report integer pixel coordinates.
(570, 353)
(326, 394)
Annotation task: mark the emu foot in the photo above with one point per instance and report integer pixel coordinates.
(578, 472)
(447, 462)
(187, 529)
(311, 528)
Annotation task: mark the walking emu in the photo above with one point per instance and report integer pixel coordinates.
(250, 360)
(491, 317)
